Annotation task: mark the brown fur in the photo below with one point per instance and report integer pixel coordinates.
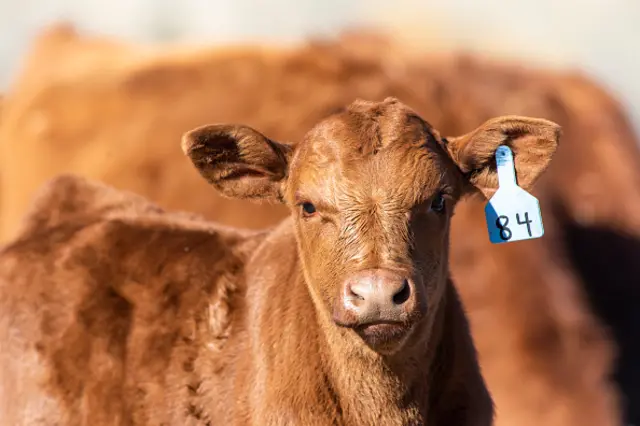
(130, 315)
(542, 327)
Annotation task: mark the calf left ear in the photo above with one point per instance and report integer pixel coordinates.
(238, 161)
(532, 140)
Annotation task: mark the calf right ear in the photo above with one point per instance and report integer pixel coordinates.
(532, 140)
(238, 161)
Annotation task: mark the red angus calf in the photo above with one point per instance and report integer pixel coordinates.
(115, 312)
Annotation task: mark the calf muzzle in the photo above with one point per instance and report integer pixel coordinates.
(376, 299)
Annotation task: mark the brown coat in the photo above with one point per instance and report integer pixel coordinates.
(554, 329)
(116, 312)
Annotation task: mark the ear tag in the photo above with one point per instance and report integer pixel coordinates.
(512, 213)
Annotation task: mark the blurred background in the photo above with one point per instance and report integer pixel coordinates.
(597, 36)
(106, 89)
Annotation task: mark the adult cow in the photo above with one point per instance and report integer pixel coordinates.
(116, 312)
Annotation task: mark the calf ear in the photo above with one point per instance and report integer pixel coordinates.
(532, 140)
(238, 161)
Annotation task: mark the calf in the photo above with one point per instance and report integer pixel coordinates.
(116, 312)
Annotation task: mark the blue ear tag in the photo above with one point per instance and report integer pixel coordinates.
(512, 213)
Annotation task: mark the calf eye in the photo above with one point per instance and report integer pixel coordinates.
(438, 203)
(308, 209)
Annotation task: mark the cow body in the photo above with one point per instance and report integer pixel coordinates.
(116, 312)
(124, 314)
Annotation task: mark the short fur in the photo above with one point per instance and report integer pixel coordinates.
(116, 312)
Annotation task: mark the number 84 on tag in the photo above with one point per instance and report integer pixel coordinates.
(512, 213)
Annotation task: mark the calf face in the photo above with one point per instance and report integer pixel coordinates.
(371, 190)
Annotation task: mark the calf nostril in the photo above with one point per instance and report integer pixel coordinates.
(354, 294)
(403, 295)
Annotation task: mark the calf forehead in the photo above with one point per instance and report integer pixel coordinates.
(365, 128)
(374, 150)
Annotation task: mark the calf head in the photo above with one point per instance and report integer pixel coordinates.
(372, 190)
